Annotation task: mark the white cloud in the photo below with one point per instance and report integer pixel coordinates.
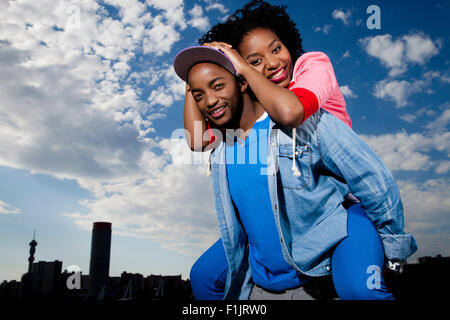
(6, 208)
(426, 202)
(408, 117)
(339, 14)
(427, 207)
(430, 75)
(443, 167)
(166, 5)
(161, 202)
(399, 91)
(160, 97)
(325, 29)
(172, 11)
(399, 53)
(160, 38)
(198, 20)
(390, 53)
(71, 109)
(409, 152)
(217, 6)
(74, 129)
(422, 114)
(165, 31)
(442, 122)
(131, 11)
(420, 48)
(172, 90)
(346, 55)
(347, 92)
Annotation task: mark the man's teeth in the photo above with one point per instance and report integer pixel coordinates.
(279, 73)
(217, 110)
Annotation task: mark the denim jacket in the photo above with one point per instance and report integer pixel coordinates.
(330, 162)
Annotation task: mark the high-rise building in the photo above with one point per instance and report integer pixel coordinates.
(46, 278)
(100, 256)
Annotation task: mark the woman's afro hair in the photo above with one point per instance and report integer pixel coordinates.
(257, 14)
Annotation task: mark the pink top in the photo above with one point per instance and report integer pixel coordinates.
(315, 84)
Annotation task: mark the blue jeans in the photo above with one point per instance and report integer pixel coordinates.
(357, 264)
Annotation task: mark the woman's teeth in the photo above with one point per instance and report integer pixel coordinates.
(276, 75)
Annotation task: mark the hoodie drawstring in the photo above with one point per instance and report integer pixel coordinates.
(208, 169)
(295, 171)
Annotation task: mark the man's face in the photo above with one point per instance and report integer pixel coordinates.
(216, 92)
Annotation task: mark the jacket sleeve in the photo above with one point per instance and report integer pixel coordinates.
(313, 81)
(347, 156)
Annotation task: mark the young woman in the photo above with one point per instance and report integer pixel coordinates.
(279, 230)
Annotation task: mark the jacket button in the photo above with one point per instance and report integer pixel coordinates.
(328, 268)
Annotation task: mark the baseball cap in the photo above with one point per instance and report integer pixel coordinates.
(187, 58)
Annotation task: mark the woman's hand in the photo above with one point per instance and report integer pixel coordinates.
(238, 62)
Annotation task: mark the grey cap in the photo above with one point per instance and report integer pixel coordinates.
(187, 58)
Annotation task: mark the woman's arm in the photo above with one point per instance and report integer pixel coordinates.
(194, 123)
(282, 105)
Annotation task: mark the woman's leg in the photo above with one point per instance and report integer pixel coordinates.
(357, 262)
(209, 272)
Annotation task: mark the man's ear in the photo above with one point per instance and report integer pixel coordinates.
(243, 84)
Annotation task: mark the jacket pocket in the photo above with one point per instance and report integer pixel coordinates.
(302, 161)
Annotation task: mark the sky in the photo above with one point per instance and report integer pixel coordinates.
(91, 112)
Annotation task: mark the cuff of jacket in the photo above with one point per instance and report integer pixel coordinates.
(398, 246)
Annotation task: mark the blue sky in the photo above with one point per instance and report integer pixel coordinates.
(89, 104)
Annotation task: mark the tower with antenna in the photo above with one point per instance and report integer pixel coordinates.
(26, 282)
(33, 245)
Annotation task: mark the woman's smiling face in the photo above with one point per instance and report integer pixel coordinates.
(265, 52)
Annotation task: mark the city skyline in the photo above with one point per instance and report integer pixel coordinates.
(76, 268)
(46, 280)
(33, 244)
(89, 103)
